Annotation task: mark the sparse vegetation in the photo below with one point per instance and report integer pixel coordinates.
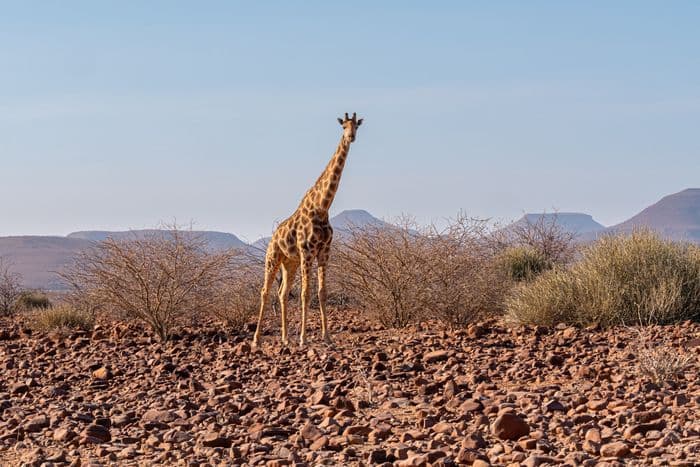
(238, 299)
(61, 317)
(401, 275)
(31, 299)
(657, 360)
(10, 288)
(522, 263)
(635, 279)
(553, 244)
(158, 279)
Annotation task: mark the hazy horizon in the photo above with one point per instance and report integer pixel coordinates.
(117, 116)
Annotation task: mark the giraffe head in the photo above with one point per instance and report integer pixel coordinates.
(350, 126)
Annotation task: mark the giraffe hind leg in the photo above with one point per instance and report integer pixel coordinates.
(271, 268)
(322, 295)
(306, 264)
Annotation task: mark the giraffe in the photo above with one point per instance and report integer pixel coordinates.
(306, 236)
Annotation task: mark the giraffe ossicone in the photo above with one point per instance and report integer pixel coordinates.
(304, 238)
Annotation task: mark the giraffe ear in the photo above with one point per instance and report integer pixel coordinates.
(359, 122)
(340, 120)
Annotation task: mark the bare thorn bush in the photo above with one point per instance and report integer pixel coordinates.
(10, 288)
(238, 298)
(158, 279)
(404, 274)
(543, 240)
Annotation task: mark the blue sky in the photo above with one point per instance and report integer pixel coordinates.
(117, 115)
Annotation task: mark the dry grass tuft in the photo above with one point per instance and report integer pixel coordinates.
(61, 317)
(635, 279)
(522, 263)
(658, 361)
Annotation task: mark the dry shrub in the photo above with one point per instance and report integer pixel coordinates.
(10, 288)
(404, 274)
(635, 279)
(545, 236)
(529, 248)
(158, 279)
(657, 360)
(61, 317)
(32, 299)
(522, 263)
(239, 297)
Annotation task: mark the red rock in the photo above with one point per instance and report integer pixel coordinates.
(435, 356)
(535, 460)
(95, 434)
(310, 432)
(616, 449)
(214, 440)
(642, 428)
(101, 373)
(159, 416)
(36, 424)
(319, 444)
(510, 426)
(63, 434)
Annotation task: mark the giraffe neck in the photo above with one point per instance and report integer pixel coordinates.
(323, 192)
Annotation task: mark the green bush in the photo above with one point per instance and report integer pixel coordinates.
(635, 279)
(522, 263)
(61, 317)
(30, 300)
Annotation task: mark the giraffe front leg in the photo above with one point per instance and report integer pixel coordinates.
(306, 263)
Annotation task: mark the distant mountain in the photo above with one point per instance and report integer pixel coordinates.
(675, 216)
(36, 258)
(216, 241)
(350, 218)
(573, 222)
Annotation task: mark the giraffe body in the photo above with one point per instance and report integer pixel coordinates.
(304, 238)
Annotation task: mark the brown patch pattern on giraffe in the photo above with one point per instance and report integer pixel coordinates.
(305, 237)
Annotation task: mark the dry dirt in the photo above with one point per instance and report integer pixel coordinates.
(485, 395)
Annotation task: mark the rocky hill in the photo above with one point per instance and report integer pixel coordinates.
(216, 241)
(675, 216)
(37, 258)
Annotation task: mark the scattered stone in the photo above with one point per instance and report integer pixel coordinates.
(95, 434)
(508, 396)
(510, 426)
(616, 449)
(435, 356)
(214, 440)
(102, 373)
(36, 424)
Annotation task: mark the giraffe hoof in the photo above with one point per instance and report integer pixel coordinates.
(285, 342)
(256, 341)
(302, 341)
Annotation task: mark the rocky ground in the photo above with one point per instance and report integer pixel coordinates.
(485, 395)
